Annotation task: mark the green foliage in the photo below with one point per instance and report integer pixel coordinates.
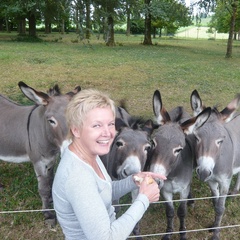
(221, 20)
(137, 26)
(27, 39)
(170, 15)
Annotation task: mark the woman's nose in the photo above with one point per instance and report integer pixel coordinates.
(106, 131)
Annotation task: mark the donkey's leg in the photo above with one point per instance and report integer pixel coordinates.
(44, 172)
(190, 201)
(237, 185)
(214, 186)
(170, 215)
(136, 230)
(219, 206)
(182, 212)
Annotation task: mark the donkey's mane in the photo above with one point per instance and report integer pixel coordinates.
(55, 91)
(9, 100)
(136, 122)
(215, 110)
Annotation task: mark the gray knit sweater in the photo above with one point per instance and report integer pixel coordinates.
(83, 202)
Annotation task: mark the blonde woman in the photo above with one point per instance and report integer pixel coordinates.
(82, 190)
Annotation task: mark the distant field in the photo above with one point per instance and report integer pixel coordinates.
(176, 66)
(200, 33)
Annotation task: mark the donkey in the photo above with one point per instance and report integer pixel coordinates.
(217, 153)
(173, 156)
(35, 133)
(130, 149)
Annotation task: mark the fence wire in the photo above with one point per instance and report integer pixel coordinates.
(158, 202)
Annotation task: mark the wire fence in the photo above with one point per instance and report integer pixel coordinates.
(159, 202)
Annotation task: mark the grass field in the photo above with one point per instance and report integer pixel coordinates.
(128, 71)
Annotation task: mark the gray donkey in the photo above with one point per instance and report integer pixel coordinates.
(35, 133)
(217, 152)
(173, 156)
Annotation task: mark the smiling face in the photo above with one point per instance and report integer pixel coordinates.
(97, 132)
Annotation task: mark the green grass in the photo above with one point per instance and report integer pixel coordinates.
(128, 71)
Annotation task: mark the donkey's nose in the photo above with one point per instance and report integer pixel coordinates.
(203, 174)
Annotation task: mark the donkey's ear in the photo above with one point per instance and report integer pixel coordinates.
(157, 103)
(196, 103)
(38, 97)
(194, 123)
(160, 112)
(227, 114)
(123, 115)
(149, 126)
(75, 91)
(120, 123)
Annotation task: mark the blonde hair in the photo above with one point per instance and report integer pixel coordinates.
(82, 103)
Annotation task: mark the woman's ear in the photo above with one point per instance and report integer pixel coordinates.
(75, 132)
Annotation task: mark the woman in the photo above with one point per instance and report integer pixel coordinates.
(82, 190)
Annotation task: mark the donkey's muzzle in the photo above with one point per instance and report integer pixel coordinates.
(203, 174)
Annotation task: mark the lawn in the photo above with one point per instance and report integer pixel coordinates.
(128, 71)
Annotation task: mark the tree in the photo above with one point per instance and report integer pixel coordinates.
(108, 10)
(226, 13)
(19, 10)
(170, 15)
(50, 14)
(148, 21)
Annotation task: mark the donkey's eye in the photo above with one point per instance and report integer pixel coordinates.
(177, 150)
(219, 142)
(147, 148)
(119, 144)
(52, 121)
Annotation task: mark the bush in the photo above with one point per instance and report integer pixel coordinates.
(137, 27)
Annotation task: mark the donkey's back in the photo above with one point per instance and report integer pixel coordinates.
(13, 122)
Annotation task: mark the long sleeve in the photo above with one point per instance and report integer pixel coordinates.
(83, 203)
(122, 187)
(93, 215)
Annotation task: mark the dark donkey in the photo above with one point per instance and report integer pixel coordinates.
(217, 153)
(35, 133)
(172, 156)
(130, 148)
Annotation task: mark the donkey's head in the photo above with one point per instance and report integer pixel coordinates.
(51, 116)
(212, 137)
(168, 139)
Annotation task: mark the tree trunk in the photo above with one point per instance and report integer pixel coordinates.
(105, 27)
(48, 26)
(160, 32)
(128, 31)
(231, 31)
(154, 32)
(63, 26)
(147, 34)
(88, 19)
(1, 24)
(7, 25)
(22, 26)
(110, 33)
(32, 25)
